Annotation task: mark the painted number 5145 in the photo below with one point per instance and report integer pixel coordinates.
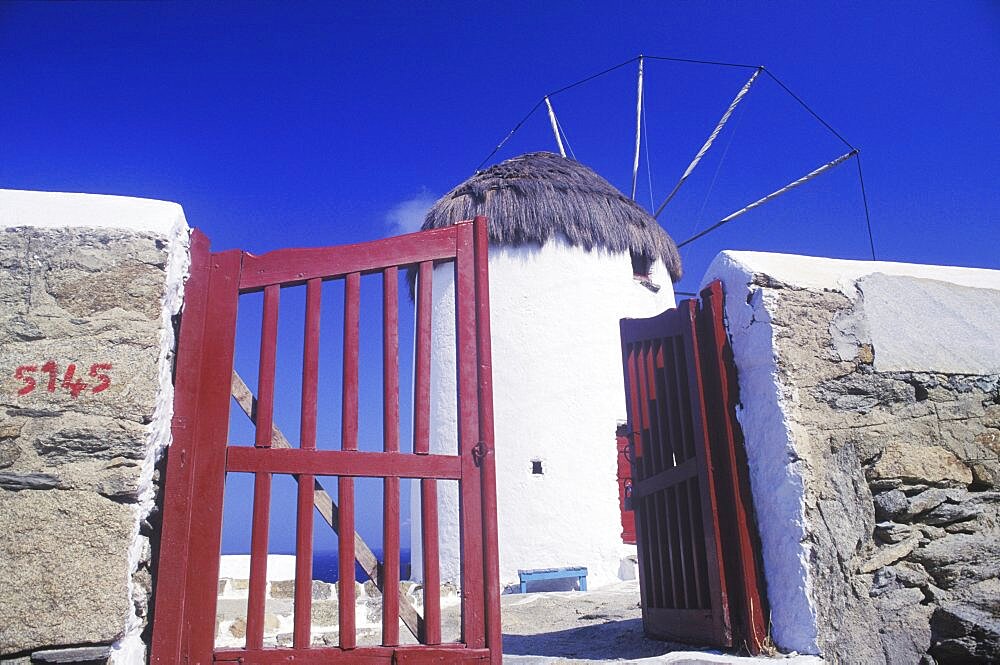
(70, 383)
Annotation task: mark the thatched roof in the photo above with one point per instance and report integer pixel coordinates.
(530, 198)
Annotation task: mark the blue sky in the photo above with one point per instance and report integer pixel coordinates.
(279, 125)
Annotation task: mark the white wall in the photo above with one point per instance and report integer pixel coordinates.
(558, 396)
(918, 317)
(159, 221)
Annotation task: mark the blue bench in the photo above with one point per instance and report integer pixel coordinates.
(536, 574)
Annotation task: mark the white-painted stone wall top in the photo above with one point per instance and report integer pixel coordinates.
(814, 272)
(918, 318)
(59, 209)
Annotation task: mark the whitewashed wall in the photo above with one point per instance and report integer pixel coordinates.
(558, 396)
(799, 324)
(86, 281)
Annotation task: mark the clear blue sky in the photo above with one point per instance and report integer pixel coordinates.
(280, 125)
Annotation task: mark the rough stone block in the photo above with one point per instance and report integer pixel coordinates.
(919, 463)
(325, 612)
(63, 555)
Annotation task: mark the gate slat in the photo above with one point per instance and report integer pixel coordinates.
(422, 361)
(473, 630)
(643, 546)
(706, 477)
(431, 562)
(650, 421)
(306, 482)
(170, 602)
(484, 399)
(421, 446)
(677, 532)
(210, 457)
(746, 576)
(686, 397)
(263, 435)
(653, 448)
(390, 444)
(349, 442)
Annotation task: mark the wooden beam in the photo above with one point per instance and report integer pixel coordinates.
(328, 509)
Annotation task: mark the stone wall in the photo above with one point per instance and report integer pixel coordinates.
(88, 286)
(871, 408)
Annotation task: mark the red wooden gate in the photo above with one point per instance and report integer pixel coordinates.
(201, 456)
(700, 578)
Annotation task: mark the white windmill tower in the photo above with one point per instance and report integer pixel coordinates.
(570, 255)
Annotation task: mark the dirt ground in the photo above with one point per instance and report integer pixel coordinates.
(601, 626)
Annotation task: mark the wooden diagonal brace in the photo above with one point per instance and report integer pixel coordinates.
(328, 509)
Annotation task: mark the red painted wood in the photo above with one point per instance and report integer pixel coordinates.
(310, 367)
(710, 510)
(651, 450)
(390, 360)
(343, 463)
(306, 481)
(190, 637)
(258, 560)
(345, 561)
(738, 528)
(349, 415)
(408, 655)
(265, 374)
(682, 583)
(422, 361)
(431, 561)
(262, 481)
(444, 655)
(295, 266)
(491, 544)
(473, 632)
(349, 442)
(303, 561)
(625, 489)
(317, 656)
(213, 415)
(168, 628)
(390, 434)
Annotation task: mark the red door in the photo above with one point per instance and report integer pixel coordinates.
(699, 573)
(201, 456)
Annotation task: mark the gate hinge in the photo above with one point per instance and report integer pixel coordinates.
(478, 453)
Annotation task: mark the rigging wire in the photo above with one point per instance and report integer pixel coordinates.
(864, 197)
(703, 62)
(708, 143)
(649, 169)
(773, 195)
(806, 107)
(718, 169)
(855, 152)
(565, 137)
(542, 101)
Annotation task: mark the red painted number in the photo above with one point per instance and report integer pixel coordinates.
(74, 387)
(29, 381)
(50, 367)
(69, 382)
(103, 379)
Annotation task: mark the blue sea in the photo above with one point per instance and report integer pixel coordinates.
(325, 566)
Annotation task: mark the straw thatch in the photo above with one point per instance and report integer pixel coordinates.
(533, 197)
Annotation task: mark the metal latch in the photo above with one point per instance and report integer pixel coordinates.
(478, 453)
